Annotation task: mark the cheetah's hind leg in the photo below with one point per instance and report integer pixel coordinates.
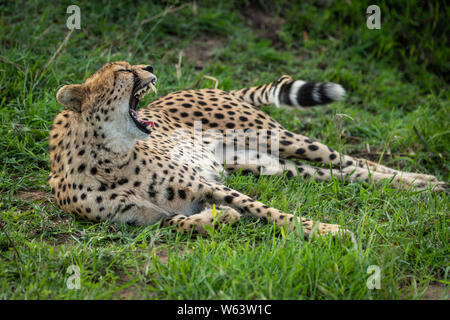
(207, 217)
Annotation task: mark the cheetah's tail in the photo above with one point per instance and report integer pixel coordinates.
(292, 93)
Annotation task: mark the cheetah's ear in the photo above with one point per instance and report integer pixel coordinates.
(72, 96)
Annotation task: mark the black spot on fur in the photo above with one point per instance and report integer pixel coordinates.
(170, 193)
(81, 168)
(127, 207)
(228, 199)
(182, 194)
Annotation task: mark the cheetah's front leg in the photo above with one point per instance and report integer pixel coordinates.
(245, 204)
(197, 222)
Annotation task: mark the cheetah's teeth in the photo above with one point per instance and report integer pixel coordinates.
(152, 86)
(143, 91)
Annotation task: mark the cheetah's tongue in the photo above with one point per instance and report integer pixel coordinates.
(148, 123)
(145, 123)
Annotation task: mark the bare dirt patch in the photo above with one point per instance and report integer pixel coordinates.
(163, 255)
(30, 196)
(436, 291)
(263, 23)
(201, 51)
(33, 195)
(128, 293)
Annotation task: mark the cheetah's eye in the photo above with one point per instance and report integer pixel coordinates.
(124, 70)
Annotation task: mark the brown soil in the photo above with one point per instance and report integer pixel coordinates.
(200, 52)
(263, 23)
(32, 195)
(436, 291)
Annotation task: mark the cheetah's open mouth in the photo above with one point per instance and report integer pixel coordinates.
(139, 91)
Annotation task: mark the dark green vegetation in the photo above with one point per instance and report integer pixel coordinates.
(396, 79)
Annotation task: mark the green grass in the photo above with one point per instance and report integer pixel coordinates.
(396, 78)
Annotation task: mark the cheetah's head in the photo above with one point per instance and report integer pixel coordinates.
(107, 102)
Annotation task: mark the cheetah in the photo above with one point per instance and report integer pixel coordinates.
(165, 163)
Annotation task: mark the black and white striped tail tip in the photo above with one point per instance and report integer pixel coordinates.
(334, 91)
(307, 94)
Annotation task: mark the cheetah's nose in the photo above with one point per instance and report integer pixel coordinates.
(149, 69)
